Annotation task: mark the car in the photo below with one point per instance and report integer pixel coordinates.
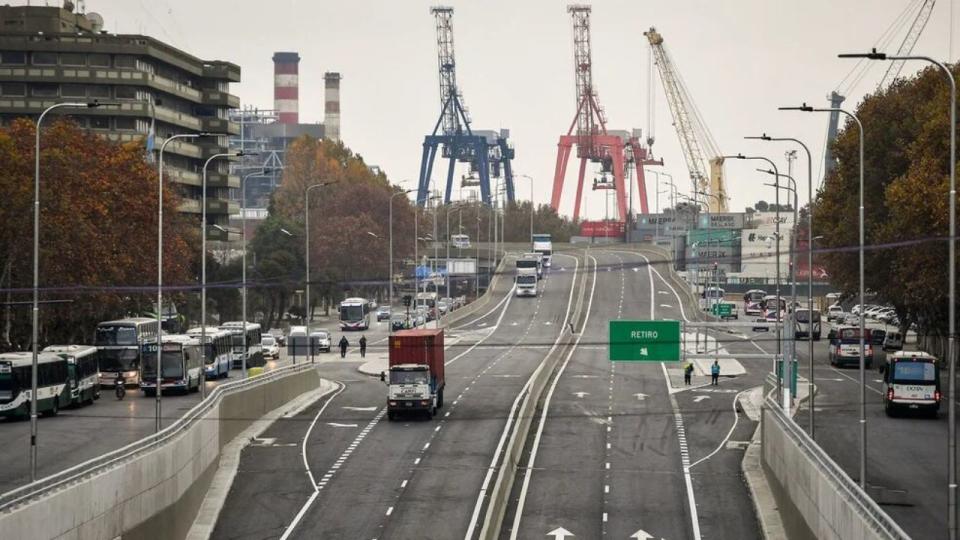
(321, 338)
(835, 313)
(893, 341)
(888, 315)
(877, 336)
(383, 313)
(451, 303)
(399, 322)
(443, 307)
(270, 347)
(851, 319)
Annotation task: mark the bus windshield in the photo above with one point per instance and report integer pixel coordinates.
(116, 335)
(351, 313)
(804, 316)
(172, 365)
(755, 296)
(915, 372)
(118, 359)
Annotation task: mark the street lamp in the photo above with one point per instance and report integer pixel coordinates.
(785, 375)
(810, 378)
(36, 280)
(243, 249)
(158, 405)
(952, 278)
(203, 276)
(307, 311)
(863, 378)
(390, 255)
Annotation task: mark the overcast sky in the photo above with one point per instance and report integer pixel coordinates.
(741, 59)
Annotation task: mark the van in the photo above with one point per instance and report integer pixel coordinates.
(845, 347)
(297, 344)
(893, 341)
(911, 382)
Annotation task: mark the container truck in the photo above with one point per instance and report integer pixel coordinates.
(543, 244)
(415, 379)
(536, 258)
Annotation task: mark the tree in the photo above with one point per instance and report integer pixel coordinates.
(762, 206)
(98, 232)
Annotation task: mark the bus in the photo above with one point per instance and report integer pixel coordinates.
(807, 323)
(911, 381)
(543, 244)
(711, 295)
(460, 241)
(82, 370)
(355, 313)
(53, 383)
(770, 304)
(218, 352)
(253, 336)
(120, 345)
(180, 360)
(428, 302)
(753, 302)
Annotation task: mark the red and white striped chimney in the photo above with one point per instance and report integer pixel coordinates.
(286, 99)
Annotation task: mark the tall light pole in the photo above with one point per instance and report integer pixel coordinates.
(716, 277)
(515, 175)
(203, 277)
(390, 255)
(952, 277)
(778, 325)
(307, 311)
(243, 250)
(36, 281)
(656, 235)
(810, 376)
(863, 378)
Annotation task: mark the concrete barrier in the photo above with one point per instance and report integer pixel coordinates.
(153, 489)
(816, 498)
(474, 307)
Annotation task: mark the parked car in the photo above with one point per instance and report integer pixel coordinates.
(835, 313)
(443, 307)
(322, 340)
(850, 320)
(270, 347)
(383, 313)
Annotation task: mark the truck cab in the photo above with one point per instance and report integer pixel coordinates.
(526, 282)
(410, 388)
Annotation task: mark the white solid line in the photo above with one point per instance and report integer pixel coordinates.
(426, 446)
(606, 488)
(723, 443)
(300, 514)
(604, 517)
(546, 407)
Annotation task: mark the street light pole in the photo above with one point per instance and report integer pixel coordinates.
(203, 280)
(515, 175)
(307, 312)
(243, 250)
(810, 377)
(36, 283)
(390, 255)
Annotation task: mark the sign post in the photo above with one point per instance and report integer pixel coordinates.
(644, 341)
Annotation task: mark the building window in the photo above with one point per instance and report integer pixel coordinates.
(13, 57)
(44, 59)
(125, 92)
(45, 90)
(125, 124)
(72, 59)
(98, 91)
(99, 60)
(100, 122)
(73, 90)
(124, 61)
(14, 89)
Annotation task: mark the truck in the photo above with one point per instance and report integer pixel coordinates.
(543, 244)
(528, 261)
(526, 282)
(535, 257)
(415, 380)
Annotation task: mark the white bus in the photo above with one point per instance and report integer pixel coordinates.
(543, 244)
(53, 383)
(460, 241)
(355, 314)
(807, 323)
(82, 371)
(251, 333)
(181, 360)
(120, 346)
(218, 352)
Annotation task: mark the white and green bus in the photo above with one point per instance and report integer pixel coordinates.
(181, 362)
(218, 355)
(82, 371)
(53, 383)
(251, 333)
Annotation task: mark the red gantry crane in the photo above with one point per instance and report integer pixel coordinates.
(594, 142)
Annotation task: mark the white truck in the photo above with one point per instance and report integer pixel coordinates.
(536, 258)
(526, 282)
(543, 244)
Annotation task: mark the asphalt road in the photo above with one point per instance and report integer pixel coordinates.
(611, 456)
(412, 478)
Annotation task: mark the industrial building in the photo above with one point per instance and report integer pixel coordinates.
(55, 54)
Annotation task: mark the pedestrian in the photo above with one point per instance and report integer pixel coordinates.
(343, 346)
(363, 346)
(688, 373)
(715, 372)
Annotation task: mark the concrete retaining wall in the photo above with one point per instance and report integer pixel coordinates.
(816, 499)
(156, 494)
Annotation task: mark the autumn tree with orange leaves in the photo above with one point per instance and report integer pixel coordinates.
(98, 233)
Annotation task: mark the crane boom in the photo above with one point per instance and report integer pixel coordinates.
(693, 133)
(906, 47)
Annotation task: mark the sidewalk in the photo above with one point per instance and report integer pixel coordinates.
(729, 367)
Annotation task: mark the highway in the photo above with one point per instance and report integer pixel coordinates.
(411, 478)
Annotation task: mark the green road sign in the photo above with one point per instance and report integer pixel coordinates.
(723, 309)
(653, 341)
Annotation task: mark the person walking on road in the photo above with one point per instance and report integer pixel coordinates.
(687, 373)
(343, 346)
(715, 373)
(363, 346)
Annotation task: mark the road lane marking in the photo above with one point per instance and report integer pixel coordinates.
(389, 510)
(723, 443)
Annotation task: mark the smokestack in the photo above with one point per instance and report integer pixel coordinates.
(331, 110)
(286, 69)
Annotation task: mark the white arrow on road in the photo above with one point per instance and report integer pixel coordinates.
(560, 533)
(698, 399)
(666, 305)
(641, 397)
(581, 394)
(641, 535)
(334, 424)
(360, 408)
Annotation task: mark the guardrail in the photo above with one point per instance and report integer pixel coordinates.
(873, 516)
(49, 484)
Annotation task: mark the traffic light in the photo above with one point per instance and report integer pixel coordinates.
(406, 300)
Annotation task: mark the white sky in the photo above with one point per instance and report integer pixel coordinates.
(741, 59)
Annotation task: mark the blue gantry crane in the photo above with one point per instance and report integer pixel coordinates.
(488, 153)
